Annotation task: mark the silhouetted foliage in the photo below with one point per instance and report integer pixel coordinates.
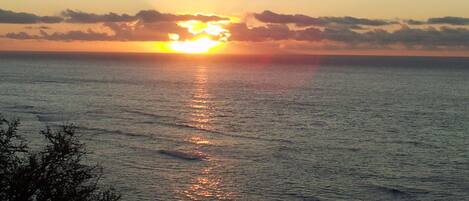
(56, 173)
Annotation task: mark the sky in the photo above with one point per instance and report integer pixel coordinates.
(398, 27)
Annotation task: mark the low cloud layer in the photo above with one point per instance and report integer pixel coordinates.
(10, 17)
(441, 20)
(349, 32)
(74, 16)
(303, 20)
(430, 38)
(143, 15)
(89, 35)
(121, 32)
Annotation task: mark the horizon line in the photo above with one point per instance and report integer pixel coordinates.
(231, 54)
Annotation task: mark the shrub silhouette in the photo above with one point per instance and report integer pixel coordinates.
(56, 173)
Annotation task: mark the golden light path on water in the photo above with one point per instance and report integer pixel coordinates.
(207, 185)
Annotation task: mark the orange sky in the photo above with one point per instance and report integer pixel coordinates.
(241, 11)
(417, 9)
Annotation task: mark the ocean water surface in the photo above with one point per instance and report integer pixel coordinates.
(263, 128)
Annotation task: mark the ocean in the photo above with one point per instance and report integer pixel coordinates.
(263, 127)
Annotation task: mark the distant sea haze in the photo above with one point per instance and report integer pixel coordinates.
(285, 127)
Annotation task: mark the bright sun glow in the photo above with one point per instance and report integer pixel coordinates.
(207, 37)
(200, 45)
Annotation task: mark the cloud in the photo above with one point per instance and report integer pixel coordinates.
(21, 36)
(405, 36)
(271, 17)
(148, 16)
(139, 31)
(75, 16)
(343, 32)
(415, 22)
(441, 20)
(428, 38)
(82, 17)
(449, 20)
(310, 34)
(241, 32)
(155, 16)
(88, 35)
(37, 27)
(355, 21)
(10, 17)
(304, 20)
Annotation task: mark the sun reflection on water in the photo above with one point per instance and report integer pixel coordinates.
(208, 184)
(207, 187)
(199, 140)
(200, 116)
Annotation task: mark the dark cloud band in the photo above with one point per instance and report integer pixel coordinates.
(449, 20)
(441, 20)
(303, 20)
(10, 17)
(406, 36)
(73, 16)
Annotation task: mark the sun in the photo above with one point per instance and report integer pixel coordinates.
(208, 36)
(197, 46)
